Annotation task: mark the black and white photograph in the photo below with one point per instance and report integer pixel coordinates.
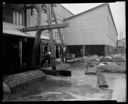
(64, 51)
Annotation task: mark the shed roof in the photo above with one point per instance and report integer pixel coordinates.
(12, 29)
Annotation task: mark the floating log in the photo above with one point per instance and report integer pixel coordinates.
(101, 80)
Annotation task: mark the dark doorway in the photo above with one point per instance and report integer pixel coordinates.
(94, 50)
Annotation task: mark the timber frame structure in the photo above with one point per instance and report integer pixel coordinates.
(39, 28)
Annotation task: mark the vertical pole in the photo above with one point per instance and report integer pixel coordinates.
(105, 50)
(52, 44)
(20, 53)
(83, 50)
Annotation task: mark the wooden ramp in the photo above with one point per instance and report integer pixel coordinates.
(61, 69)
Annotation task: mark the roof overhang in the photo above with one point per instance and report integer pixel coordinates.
(14, 30)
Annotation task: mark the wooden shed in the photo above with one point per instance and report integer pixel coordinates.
(17, 46)
(93, 31)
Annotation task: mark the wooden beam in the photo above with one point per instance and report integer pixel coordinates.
(45, 27)
(60, 35)
(36, 41)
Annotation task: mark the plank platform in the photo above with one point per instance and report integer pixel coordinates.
(61, 69)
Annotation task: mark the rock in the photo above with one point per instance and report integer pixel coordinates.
(101, 64)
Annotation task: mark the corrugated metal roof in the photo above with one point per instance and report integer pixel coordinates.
(12, 29)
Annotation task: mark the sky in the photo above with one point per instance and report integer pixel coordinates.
(117, 9)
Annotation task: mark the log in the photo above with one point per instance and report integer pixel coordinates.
(16, 80)
(101, 80)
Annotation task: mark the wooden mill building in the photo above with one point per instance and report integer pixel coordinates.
(93, 31)
(17, 46)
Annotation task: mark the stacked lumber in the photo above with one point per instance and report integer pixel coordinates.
(101, 80)
(114, 67)
(19, 79)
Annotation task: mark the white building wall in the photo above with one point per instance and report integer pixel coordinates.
(87, 29)
(111, 31)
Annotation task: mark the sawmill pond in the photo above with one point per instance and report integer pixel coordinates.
(59, 88)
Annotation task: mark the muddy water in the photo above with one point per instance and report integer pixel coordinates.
(57, 88)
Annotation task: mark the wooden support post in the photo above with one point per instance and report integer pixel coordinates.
(105, 51)
(83, 50)
(37, 41)
(35, 48)
(20, 53)
(49, 15)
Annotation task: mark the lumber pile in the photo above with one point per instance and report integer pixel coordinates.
(115, 67)
(16, 80)
(101, 80)
(118, 58)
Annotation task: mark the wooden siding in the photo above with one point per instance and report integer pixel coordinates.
(111, 37)
(87, 29)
